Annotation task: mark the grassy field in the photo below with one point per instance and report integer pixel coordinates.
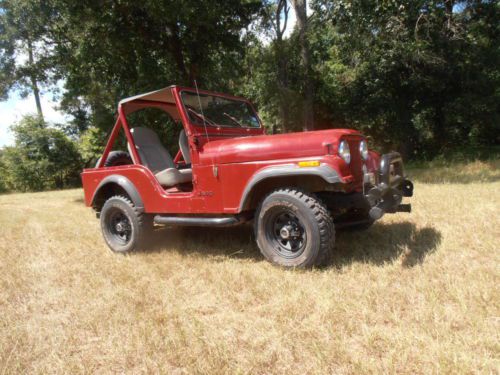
(416, 293)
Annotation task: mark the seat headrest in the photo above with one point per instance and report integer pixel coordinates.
(184, 146)
(144, 136)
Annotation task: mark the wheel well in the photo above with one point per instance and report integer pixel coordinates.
(105, 192)
(309, 183)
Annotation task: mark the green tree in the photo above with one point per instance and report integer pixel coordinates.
(274, 22)
(109, 50)
(26, 51)
(91, 145)
(300, 7)
(3, 174)
(42, 157)
(420, 76)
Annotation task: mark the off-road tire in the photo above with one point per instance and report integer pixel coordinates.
(313, 219)
(120, 209)
(117, 158)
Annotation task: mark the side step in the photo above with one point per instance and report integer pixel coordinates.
(197, 221)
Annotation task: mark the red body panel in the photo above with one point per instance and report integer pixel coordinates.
(224, 163)
(272, 147)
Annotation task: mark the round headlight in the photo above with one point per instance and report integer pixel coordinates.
(344, 151)
(363, 150)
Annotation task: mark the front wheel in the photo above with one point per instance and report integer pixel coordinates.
(123, 226)
(294, 229)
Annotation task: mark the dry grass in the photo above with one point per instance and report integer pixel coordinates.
(415, 294)
(439, 172)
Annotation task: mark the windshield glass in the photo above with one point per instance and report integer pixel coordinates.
(219, 111)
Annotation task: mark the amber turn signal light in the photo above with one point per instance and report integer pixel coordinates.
(309, 163)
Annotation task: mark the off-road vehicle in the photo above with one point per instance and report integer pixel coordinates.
(296, 187)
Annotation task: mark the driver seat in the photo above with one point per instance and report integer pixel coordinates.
(157, 159)
(184, 147)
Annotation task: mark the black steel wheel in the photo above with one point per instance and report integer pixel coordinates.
(119, 226)
(286, 232)
(123, 226)
(294, 229)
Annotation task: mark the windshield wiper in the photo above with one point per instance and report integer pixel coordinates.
(201, 117)
(232, 119)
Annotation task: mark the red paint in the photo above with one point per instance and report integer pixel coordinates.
(237, 153)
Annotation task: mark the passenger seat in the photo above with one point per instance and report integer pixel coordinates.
(157, 159)
(184, 147)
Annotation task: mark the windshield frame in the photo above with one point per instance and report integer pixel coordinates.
(220, 95)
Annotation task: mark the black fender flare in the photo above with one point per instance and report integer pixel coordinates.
(125, 184)
(324, 171)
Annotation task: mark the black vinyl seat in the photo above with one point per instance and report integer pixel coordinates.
(184, 147)
(156, 158)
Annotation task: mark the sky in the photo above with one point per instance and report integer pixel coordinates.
(13, 109)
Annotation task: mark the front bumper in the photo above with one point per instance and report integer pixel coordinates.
(385, 190)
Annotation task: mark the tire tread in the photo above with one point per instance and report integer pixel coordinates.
(321, 215)
(144, 221)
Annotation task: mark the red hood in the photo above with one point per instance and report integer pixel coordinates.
(271, 147)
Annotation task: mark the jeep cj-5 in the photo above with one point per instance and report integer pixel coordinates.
(296, 187)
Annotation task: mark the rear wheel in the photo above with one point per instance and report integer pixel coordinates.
(123, 226)
(294, 229)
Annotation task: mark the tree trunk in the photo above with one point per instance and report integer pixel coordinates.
(174, 45)
(194, 74)
(280, 24)
(34, 83)
(439, 128)
(300, 7)
(449, 12)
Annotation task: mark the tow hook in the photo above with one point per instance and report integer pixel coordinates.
(404, 208)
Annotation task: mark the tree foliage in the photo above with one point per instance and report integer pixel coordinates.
(109, 50)
(42, 158)
(26, 51)
(420, 77)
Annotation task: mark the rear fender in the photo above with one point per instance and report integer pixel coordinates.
(123, 183)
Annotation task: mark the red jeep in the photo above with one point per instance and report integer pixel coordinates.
(296, 187)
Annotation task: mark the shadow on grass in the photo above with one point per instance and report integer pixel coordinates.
(221, 243)
(382, 243)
